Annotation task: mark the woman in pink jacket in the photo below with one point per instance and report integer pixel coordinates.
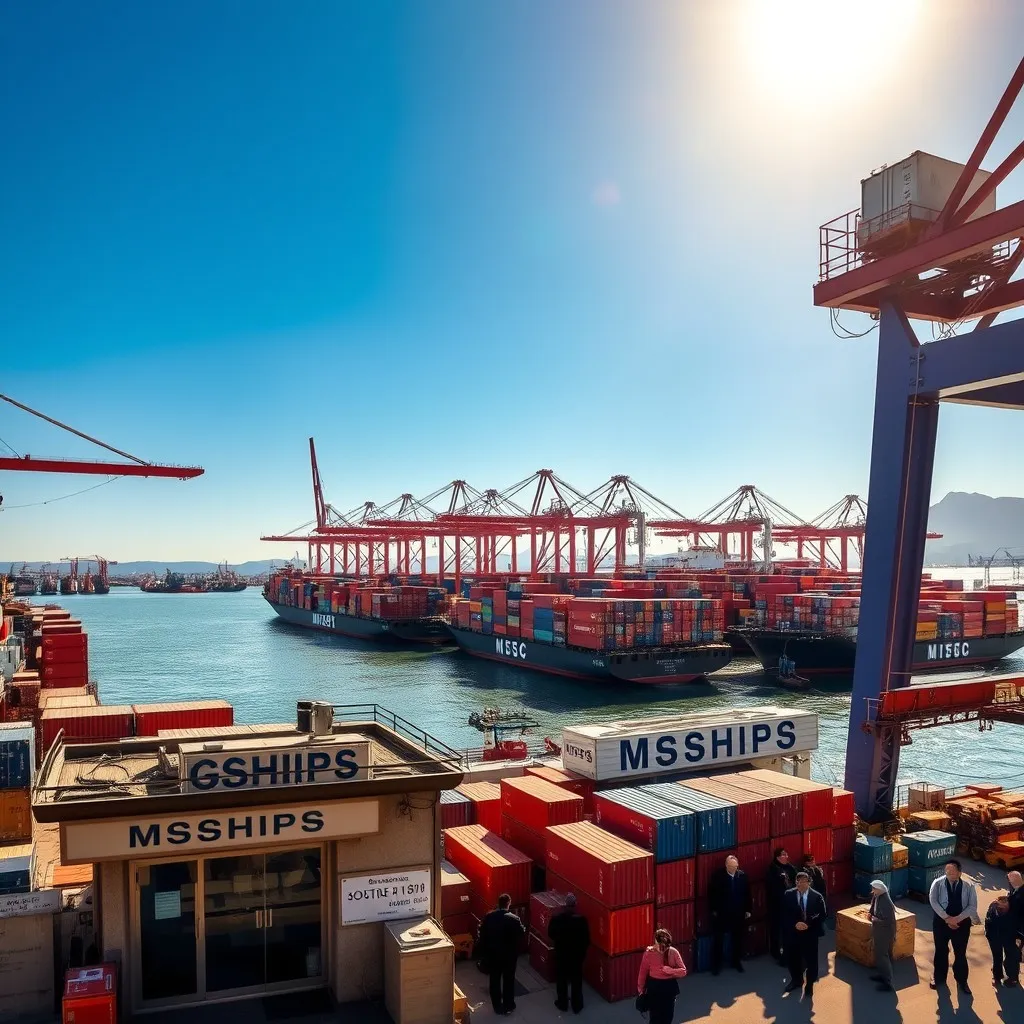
(659, 969)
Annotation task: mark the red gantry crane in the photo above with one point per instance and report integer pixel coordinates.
(133, 467)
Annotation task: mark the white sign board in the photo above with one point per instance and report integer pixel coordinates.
(385, 897)
(24, 904)
(687, 742)
(87, 842)
(344, 759)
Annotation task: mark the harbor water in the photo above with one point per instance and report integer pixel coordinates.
(159, 647)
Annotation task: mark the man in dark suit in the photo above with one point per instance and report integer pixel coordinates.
(570, 937)
(731, 906)
(497, 950)
(803, 919)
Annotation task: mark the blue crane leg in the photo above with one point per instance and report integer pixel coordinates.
(902, 452)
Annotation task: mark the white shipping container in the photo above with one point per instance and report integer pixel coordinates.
(679, 743)
(915, 189)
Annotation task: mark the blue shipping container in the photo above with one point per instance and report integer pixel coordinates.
(921, 879)
(675, 831)
(929, 848)
(870, 853)
(862, 882)
(15, 764)
(900, 883)
(716, 818)
(702, 952)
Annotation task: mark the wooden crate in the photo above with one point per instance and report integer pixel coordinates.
(460, 1006)
(900, 856)
(853, 935)
(419, 972)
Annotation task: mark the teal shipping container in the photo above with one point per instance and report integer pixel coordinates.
(929, 849)
(872, 854)
(862, 882)
(921, 879)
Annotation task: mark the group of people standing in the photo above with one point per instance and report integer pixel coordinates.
(797, 911)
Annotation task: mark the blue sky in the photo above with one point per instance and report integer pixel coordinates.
(455, 239)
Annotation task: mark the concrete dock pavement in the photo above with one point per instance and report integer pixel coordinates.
(845, 995)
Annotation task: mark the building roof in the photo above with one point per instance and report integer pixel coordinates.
(81, 781)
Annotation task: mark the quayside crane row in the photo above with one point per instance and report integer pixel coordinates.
(560, 528)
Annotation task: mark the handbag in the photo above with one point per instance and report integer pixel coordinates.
(642, 1003)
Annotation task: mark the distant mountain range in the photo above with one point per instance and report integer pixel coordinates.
(157, 568)
(974, 524)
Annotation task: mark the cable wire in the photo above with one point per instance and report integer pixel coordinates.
(63, 497)
(10, 448)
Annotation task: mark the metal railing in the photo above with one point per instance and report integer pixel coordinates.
(396, 723)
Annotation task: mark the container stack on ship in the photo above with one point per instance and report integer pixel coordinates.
(812, 620)
(612, 629)
(404, 613)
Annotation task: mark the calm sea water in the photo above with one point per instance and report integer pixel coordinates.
(155, 647)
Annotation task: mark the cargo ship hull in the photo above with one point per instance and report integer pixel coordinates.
(829, 653)
(413, 631)
(658, 666)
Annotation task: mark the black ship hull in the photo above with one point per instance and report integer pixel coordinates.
(834, 654)
(410, 631)
(657, 666)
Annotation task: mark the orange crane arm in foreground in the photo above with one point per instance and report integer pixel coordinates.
(133, 467)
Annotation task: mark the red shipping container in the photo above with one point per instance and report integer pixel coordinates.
(66, 647)
(613, 931)
(537, 804)
(678, 919)
(459, 924)
(754, 859)
(186, 714)
(707, 865)
(542, 958)
(674, 881)
(455, 887)
(543, 907)
(492, 866)
(611, 870)
(574, 783)
(839, 878)
(102, 724)
(817, 799)
(819, 843)
(753, 812)
(793, 845)
(843, 841)
(72, 670)
(522, 838)
(844, 810)
(457, 811)
(612, 977)
(486, 797)
(759, 900)
(90, 995)
(787, 814)
(701, 917)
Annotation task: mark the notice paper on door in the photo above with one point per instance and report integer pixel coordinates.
(167, 905)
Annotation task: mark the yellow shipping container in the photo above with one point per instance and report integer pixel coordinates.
(15, 814)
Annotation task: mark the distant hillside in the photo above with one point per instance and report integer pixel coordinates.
(974, 524)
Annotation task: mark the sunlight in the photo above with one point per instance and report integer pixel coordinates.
(814, 50)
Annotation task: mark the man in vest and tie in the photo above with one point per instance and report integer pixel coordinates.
(803, 921)
(954, 902)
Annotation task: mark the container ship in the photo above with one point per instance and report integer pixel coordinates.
(613, 631)
(392, 613)
(816, 630)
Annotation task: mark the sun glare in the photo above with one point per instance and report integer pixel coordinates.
(822, 49)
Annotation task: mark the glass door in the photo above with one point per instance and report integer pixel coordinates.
(235, 914)
(262, 920)
(167, 930)
(293, 926)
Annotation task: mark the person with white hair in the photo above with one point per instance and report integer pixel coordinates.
(954, 901)
(1016, 883)
(883, 933)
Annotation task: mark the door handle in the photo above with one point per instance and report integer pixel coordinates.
(259, 919)
(270, 918)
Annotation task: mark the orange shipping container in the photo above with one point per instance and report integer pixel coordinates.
(15, 814)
